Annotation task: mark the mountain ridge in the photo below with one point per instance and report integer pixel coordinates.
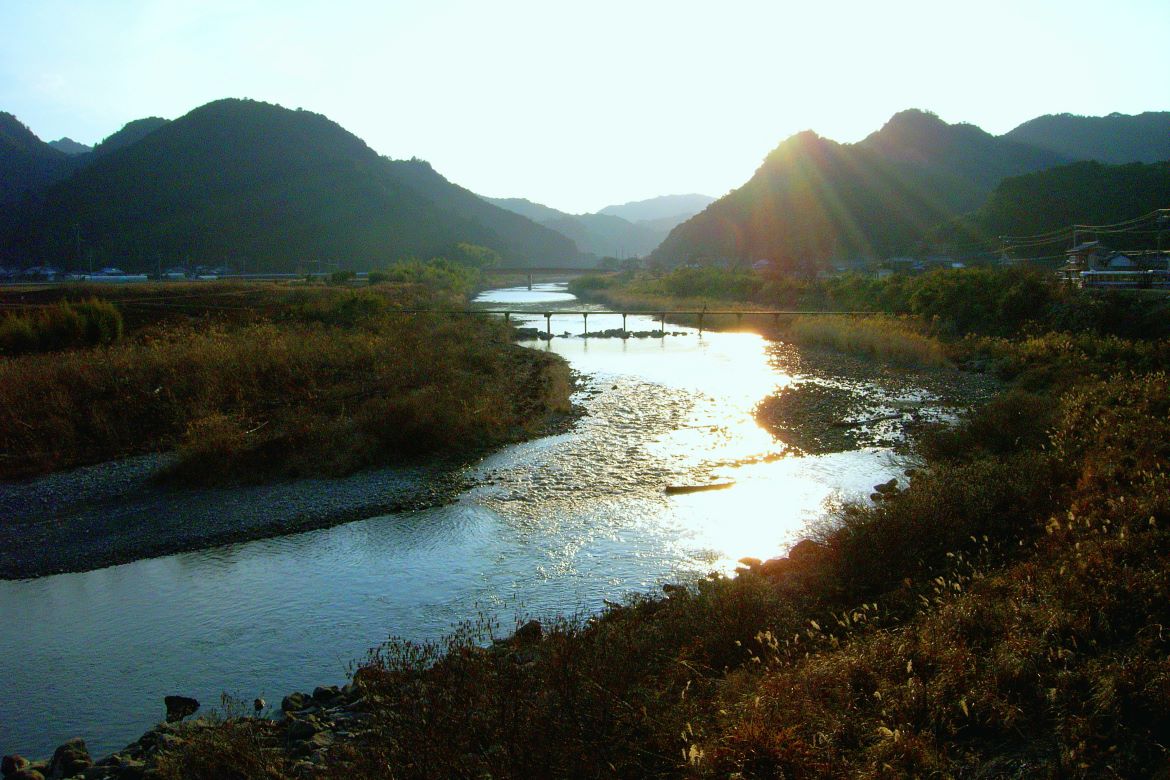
(812, 199)
(251, 183)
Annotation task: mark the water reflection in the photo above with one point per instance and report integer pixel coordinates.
(554, 525)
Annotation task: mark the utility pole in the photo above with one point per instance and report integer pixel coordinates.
(77, 240)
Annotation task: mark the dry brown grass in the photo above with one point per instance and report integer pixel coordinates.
(897, 340)
(320, 381)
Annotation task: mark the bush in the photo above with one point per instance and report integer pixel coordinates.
(63, 325)
(1008, 423)
(944, 510)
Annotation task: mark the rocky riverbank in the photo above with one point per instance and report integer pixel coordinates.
(299, 737)
(121, 511)
(304, 730)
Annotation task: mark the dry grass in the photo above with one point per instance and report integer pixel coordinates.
(323, 382)
(897, 340)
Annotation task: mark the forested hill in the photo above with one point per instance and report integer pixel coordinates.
(27, 163)
(260, 187)
(131, 133)
(1115, 139)
(970, 159)
(1083, 193)
(813, 200)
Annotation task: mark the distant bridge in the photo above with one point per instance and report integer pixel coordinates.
(545, 269)
(529, 272)
(659, 315)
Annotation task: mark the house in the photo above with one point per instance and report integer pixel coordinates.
(1086, 256)
(1119, 262)
(42, 273)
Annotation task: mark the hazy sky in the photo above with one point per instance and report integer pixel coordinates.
(581, 104)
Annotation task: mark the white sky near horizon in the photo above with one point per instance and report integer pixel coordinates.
(579, 105)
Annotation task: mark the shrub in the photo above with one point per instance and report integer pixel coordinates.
(1013, 421)
(63, 325)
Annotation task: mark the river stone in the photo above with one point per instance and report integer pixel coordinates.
(25, 774)
(300, 730)
(325, 693)
(179, 707)
(12, 763)
(69, 759)
(295, 701)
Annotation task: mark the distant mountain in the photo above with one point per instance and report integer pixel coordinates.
(814, 199)
(256, 185)
(603, 235)
(1115, 139)
(69, 146)
(660, 209)
(535, 211)
(607, 234)
(517, 238)
(131, 133)
(27, 164)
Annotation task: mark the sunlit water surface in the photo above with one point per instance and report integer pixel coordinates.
(556, 525)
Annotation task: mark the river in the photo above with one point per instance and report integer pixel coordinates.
(555, 525)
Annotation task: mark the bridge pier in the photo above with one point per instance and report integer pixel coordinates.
(625, 331)
(585, 316)
(529, 282)
(548, 324)
(662, 316)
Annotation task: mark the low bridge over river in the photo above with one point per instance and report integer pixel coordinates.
(698, 315)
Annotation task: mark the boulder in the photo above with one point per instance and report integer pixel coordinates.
(179, 707)
(69, 759)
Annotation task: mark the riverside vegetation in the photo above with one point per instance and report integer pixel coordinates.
(1001, 612)
(251, 381)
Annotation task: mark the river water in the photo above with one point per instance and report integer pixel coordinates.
(556, 525)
